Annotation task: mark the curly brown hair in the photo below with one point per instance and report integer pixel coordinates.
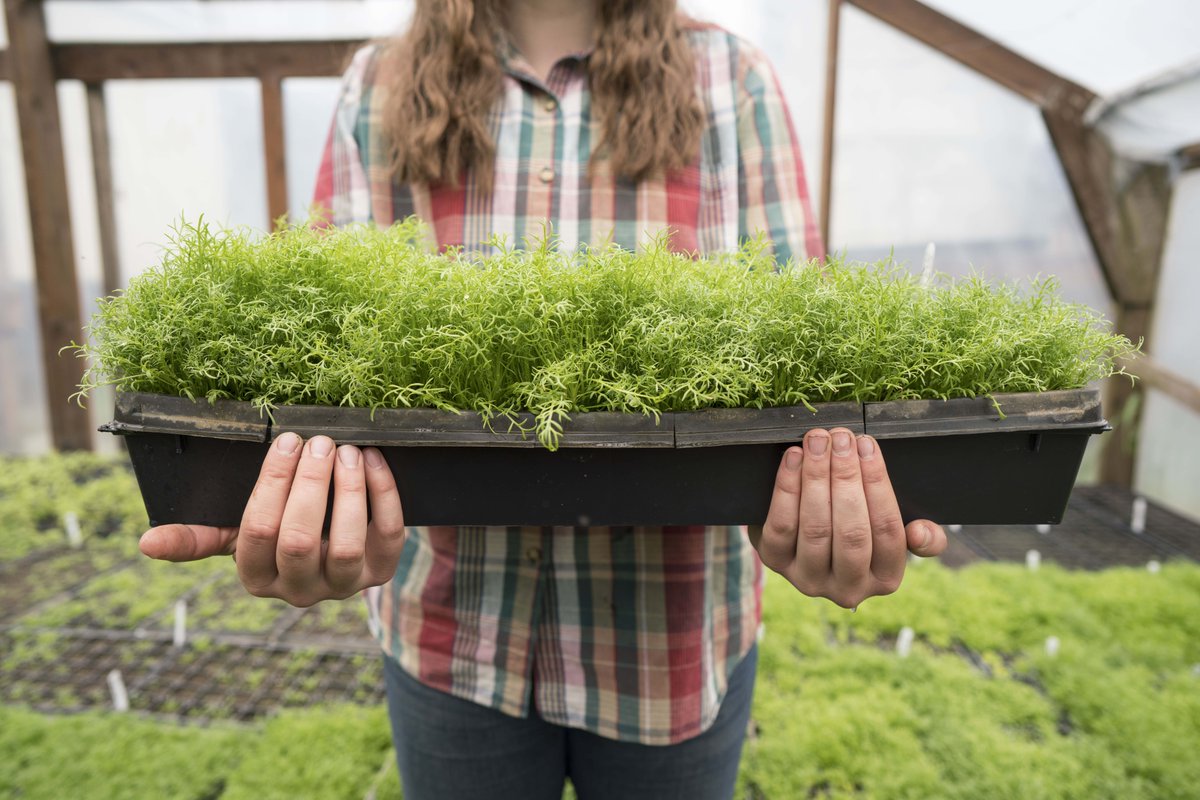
(445, 77)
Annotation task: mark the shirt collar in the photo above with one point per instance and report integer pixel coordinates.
(515, 64)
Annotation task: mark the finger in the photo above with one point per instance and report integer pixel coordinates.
(851, 521)
(260, 523)
(348, 527)
(889, 548)
(187, 542)
(298, 554)
(777, 545)
(815, 538)
(385, 534)
(926, 539)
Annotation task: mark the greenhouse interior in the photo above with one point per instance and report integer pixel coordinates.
(948, 143)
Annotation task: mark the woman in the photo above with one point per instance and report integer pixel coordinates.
(623, 659)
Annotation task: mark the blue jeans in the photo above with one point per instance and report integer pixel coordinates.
(449, 748)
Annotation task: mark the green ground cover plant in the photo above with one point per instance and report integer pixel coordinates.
(978, 710)
(128, 597)
(37, 493)
(371, 318)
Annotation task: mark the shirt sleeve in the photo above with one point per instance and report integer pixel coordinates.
(774, 198)
(342, 191)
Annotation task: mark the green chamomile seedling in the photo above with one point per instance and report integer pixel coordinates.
(371, 318)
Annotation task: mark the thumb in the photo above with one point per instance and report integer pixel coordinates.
(187, 542)
(925, 538)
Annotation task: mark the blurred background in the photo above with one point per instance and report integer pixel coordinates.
(926, 149)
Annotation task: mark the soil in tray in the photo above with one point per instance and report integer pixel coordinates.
(244, 683)
(1082, 540)
(1162, 525)
(49, 672)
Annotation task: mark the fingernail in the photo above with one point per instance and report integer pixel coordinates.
(841, 443)
(866, 447)
(320, 446)
(287, 443)
(926, 536)
(791, 461)
(348, 455)
(817, 444)
(374, 458)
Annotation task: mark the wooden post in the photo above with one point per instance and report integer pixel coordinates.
(59, 315)
(105, 200)
(831, 69)
(273, 147)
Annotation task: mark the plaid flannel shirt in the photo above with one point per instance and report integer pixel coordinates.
(628, 633)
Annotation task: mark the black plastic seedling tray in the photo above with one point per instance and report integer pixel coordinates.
(953, 461)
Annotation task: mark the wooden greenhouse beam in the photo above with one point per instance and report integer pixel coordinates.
(1156, 376)
(980, 53)
(274, 155)
(59, 315)
(1189, 157)
(94, 63)
(102, 177)
(4, 76)
(831, 69)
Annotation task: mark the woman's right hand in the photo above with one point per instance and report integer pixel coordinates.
(278, 547)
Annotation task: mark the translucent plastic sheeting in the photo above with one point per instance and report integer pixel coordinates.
(929, 151)
(1167, 466)
(1152, 125)
(206, 20)
(308, 105)
(181, 149)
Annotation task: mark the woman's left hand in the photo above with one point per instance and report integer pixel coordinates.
(834, 528)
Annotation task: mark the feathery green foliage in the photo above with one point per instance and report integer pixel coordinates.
(372, 318)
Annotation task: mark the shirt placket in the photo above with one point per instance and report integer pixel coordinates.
(543, 167)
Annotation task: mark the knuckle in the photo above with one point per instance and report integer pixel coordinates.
(258, 529)
(777, 529)
(311, 480)
(888, 523)
(845, 469)
(351, 484)
(817, 532)
(275, 472)
(785, 486)
(873, 476)
(344, 556)
(390, 533)
(854, 537)
(384, 490)
(296, 546)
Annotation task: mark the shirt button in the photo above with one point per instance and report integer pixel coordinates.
(550, 105)
(547, 174)
(534, 554)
